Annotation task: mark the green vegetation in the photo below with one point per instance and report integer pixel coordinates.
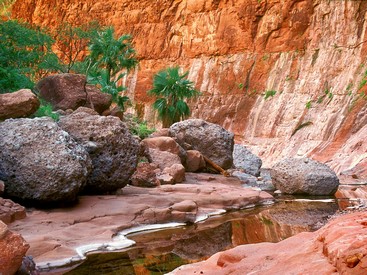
(172, 89)
(45, 109)
(108, 62)
(309, 104)
(140, 128)
(25, 55)
(269, 93)
(300, 126)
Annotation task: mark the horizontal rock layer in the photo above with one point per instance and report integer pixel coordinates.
(310, 53)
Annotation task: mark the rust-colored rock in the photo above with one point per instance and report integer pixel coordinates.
(194, 161)
(12, 250)
(22, 103)
(10, 211)
(69, 91)
(145, 175)
(337, 248)
(163, 158)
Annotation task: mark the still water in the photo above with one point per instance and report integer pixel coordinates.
(161, 251)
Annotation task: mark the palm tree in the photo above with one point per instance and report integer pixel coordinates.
(171, 89)
(108, 59)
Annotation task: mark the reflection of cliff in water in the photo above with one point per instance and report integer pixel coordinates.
(158, 252)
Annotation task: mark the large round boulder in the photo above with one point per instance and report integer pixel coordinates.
(112, 149)
(22, 103)
(211, 140)
(304, 176)
(244, 159)
(41, 162)
(69, 91)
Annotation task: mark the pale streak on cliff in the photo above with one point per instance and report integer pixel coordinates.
(235, 50)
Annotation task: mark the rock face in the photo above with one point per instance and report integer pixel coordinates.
(22, 103)
(41, 162)
(68, 91)
(210, 139)
(304, 176)
(244, 159)
(13, 249)
(330, 250)
(112, 149)
(237, 50)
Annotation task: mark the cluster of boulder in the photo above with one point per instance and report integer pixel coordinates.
(45, 162)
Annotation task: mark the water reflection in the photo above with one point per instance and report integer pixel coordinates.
(160, 251)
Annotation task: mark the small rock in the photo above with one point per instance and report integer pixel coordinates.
(194, 161)
(163, 158)
(22, 103)
(244, 159)
(177, 171)
(145, 175)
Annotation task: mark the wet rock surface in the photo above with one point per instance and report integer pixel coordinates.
(111, 147)
(55, 234)
(330, 250)
(304, 176)
(211, 140)
(22, 103)
(40, 162)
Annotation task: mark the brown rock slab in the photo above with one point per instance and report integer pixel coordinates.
(12, 250)
(22, 103)
(337, 248)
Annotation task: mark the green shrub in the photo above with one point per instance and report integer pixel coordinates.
(269, 93)
(45, 109)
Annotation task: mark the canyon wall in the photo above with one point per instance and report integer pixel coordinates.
(310, 55)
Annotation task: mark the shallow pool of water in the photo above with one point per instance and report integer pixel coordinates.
(161, 250)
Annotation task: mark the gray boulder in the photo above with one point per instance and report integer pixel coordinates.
(212, 140)
(244, 159)
(112, 149)
(304, 176)
(41, 162)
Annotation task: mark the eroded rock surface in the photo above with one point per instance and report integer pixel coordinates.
(304, 176)
(55, 234)
(111, 147)
(22, 103)
(211, 140)
(41, 162)
(330, 250)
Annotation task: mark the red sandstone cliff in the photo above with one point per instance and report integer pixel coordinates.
(306, 51)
